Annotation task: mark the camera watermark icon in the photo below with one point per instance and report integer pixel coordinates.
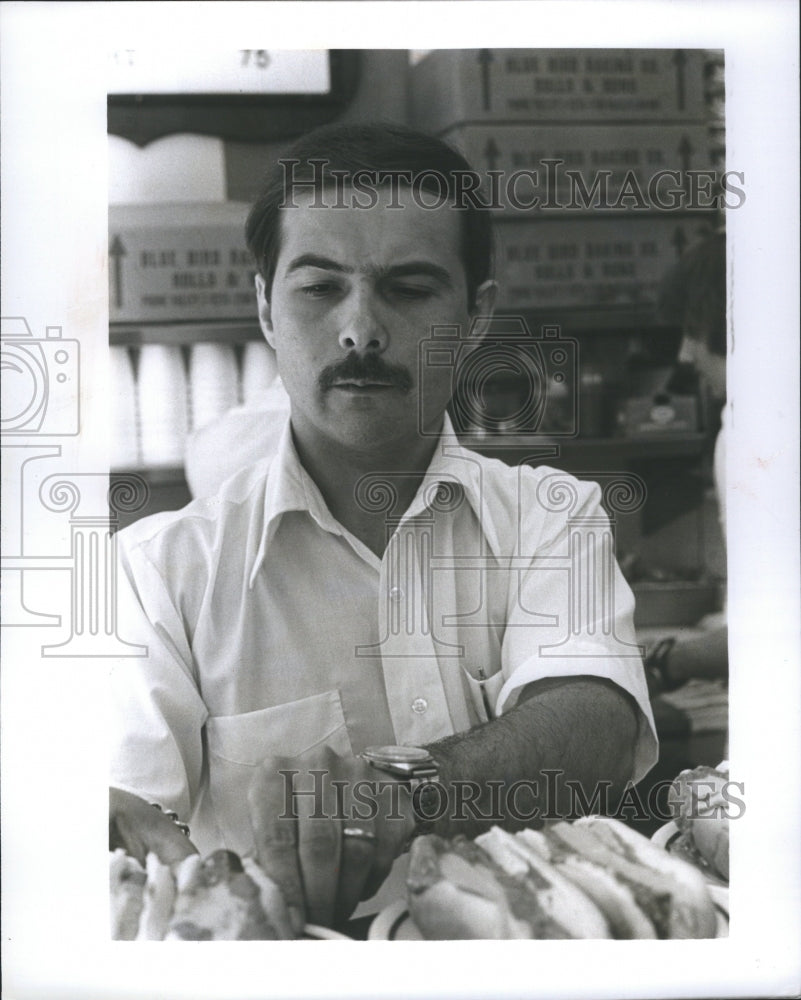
(420, 617)
(41, 381)
(41, 401)
(503, 379)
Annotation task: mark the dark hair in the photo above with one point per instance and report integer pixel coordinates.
(333, 152)
(693, 293)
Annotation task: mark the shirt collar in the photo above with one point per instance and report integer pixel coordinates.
(289, 487)
(454, 472)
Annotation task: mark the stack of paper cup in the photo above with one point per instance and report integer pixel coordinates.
(213, 382)
(125, 452)
(162, 391)
(259, 371)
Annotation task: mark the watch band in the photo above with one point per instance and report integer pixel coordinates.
(426, 803)
(416, 768)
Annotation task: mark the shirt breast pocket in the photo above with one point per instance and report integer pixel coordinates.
(237, 744)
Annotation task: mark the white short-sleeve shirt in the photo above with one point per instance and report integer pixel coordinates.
(271, 629)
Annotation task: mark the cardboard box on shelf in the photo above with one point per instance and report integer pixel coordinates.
(454, 86)
(643, 417)
(179, 262)
(532, 168)
(675, 602)
(588, 262)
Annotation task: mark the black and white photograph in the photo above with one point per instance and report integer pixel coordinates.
(400, 500)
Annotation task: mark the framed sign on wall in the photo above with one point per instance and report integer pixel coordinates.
(246, 95)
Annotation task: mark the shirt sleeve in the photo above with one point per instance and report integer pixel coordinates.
(570, 610)
(157, 713)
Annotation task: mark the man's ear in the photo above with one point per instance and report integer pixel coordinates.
(481, 314)
(265, 312)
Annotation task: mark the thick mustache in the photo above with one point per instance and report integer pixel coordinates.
(365, 368)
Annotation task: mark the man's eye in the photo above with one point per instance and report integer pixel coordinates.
(412, 291)
(319, 289)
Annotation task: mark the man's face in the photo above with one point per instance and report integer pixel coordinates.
(355, 293)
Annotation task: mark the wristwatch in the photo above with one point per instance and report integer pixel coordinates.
(416, 768)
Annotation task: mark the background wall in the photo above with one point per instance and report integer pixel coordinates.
(383, 95)
(677, 533)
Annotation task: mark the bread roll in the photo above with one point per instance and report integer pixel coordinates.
(594, 878)
(215, 899)
(700, 810)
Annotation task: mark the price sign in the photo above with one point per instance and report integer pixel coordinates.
(243, 71)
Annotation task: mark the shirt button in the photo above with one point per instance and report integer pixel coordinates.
(419, 705)
(396, 594)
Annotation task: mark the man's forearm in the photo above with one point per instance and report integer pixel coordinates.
(704, 657)
(582, 728)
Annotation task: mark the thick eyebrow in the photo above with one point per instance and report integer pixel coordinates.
(315, 260)
(410, 268)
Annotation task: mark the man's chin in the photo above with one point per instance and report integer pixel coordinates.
(371, 424)
(386, 436)
(364, 426)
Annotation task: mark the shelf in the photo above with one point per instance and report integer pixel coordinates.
(596, 319)
(674, 603)
(154, 475)
(570, 321)
(166, 490)
(511, 449)
(135, 334)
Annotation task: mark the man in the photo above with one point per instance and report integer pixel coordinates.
(374, 584)
(693, 298)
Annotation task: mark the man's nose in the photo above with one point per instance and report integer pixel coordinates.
(362, 329)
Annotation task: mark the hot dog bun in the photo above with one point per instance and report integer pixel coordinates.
(613, 897)
(555, 895)
(127, 886)
(700, 812)
(215, 899)
(461, 889)
(450, 897)
(671, 892)
(218, 901)
(594, 878)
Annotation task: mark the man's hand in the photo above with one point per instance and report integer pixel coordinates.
(327, 829)
(139, 828)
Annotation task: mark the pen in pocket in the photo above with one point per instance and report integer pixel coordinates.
(481, 679)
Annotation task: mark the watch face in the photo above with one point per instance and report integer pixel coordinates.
(397, 755)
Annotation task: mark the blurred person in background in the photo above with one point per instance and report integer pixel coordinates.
(693, 298)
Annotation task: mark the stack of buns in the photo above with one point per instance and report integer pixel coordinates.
(593, 878)
(221, 898)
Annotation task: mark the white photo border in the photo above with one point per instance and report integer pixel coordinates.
(54, 184)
